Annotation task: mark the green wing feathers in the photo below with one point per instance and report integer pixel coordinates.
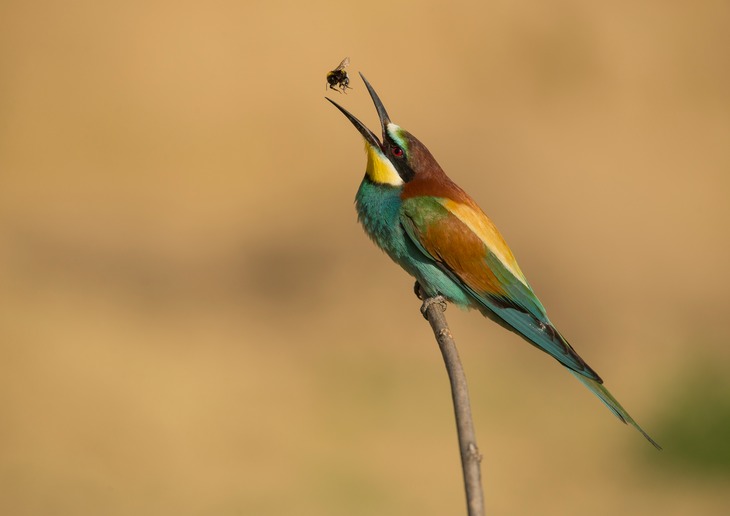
(466, 247)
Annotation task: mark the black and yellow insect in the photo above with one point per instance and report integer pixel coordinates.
(338, 77)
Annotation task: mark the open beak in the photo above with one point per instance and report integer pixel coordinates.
(370, 138)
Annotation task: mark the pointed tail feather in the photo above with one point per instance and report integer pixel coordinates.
(615, 407)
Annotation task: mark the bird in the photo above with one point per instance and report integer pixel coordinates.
(438, 234)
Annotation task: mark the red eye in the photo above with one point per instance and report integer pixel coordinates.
(397, 152)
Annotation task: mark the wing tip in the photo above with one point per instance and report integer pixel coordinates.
(584, 368)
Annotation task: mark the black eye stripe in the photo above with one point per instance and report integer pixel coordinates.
(405, 172)
(401, 163)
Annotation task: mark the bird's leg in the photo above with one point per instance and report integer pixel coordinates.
(428, 301)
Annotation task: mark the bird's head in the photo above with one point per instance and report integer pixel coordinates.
(400, 157)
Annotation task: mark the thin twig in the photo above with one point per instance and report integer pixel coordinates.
(433, 310)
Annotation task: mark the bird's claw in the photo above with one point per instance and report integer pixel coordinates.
(440, 300)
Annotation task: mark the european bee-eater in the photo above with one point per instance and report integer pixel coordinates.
(429, 226)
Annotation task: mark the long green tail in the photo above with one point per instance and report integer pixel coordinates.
(615, 407)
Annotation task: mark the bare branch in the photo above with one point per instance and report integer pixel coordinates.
(433, 310)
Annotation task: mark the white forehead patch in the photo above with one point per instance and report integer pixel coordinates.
(395, 132)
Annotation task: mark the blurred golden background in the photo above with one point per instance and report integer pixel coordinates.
(193, 322)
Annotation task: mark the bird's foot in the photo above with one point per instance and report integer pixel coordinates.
(428, 301)
(440, 300)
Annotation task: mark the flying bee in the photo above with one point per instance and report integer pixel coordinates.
(338, 77)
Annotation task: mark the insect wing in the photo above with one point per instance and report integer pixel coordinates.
(342, 65)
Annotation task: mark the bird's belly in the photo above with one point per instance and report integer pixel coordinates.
(395, 242)
(436, 282)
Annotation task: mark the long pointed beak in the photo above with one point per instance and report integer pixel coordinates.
(370, 138)
(382, 115)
